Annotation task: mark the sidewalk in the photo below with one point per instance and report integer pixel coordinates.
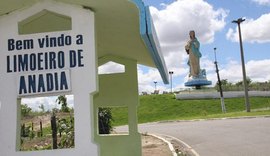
(163, 145)
(153, 146)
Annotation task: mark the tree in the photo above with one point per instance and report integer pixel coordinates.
(42, 108)
(62, 100)
(25, 110)
(240, 83)
(224, 84)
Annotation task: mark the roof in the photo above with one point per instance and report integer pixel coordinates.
(123, 28)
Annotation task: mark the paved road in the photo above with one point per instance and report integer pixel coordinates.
(230, 137)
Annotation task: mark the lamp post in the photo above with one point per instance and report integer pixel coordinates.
(155, 82)
(171, 72)
(238, 22)
(219, 84)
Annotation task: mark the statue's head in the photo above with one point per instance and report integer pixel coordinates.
(192, 34)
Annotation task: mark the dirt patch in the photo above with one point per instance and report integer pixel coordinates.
(152, 146)
(45, 119)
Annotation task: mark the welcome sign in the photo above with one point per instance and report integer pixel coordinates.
(44, 60)
(47, 63)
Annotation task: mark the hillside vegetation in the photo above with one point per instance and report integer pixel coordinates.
(165, 107)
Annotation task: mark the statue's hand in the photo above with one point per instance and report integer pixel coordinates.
(187, 50)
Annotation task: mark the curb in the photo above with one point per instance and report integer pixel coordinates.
(172, 141)
(226, 118)
(164, 140)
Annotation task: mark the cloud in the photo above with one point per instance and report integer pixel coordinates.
(262, 2)
(259, 70)
(34, 103)
(175, 21)
(149, 76)
(256, 70)
(48, 102)
(173, 24)
(111, 67)
(146, 79)
(253, 30)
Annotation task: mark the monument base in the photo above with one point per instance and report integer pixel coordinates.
(197, 83)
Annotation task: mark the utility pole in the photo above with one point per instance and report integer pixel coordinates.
(219, 84)
(239, 21)
(171, 72)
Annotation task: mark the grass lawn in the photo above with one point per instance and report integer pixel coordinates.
(165, 107)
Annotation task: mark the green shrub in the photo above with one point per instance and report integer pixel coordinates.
(105, 120)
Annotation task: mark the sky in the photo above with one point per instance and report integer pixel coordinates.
(212, 22)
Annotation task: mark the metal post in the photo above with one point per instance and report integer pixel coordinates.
(219, 84)
(171, 72)
(54, 131)
(155, 82)
(239, 21)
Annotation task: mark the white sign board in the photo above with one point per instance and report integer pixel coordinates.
(45, 64)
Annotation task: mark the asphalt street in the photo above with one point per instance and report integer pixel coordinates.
(225, 137)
